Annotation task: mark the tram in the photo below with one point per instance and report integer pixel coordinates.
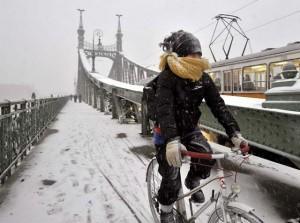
(251, 75)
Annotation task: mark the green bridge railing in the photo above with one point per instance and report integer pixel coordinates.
(276, 131)
(21, 125)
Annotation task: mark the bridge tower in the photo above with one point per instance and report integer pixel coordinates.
(80, 31)
(81, 80)
(119, 34)
(118, 58)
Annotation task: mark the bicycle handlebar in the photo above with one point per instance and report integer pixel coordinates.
(244, 148)
(209, 156)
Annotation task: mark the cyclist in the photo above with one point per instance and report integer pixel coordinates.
(181, 87)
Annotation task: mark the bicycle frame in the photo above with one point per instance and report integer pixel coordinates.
(221, 195)
(227, 209)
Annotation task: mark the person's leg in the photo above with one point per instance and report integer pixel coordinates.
(169, 187)
(199, 169)
(171, 181)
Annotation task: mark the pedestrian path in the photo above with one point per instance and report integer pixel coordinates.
(87, 169)
(91, 169)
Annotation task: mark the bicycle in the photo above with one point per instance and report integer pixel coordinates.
(226, 209)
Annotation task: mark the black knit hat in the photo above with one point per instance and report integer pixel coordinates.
(181, 42)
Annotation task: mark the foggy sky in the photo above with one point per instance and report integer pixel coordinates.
(38, 38)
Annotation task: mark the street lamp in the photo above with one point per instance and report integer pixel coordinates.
(98, 33)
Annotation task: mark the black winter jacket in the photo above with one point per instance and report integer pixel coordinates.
(178, 104)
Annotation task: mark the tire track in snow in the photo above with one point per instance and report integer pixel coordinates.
(113, 187)
(111, 141)
(133, 193)
(102, 143)
(130, 145)
(112, 144)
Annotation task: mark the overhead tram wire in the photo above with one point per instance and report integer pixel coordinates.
(245, 6)
(211, 23)
(267, 23)
(204, 27)
(272, 21)
(234, 11)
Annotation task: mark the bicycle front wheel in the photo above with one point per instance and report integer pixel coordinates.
(236, 216)
(153, 179)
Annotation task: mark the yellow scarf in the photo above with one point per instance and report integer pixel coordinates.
(184, 67)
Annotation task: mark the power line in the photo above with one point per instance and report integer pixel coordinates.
(204, 27)
(245, 6)
(234, 11)
(211, 23)
(273, 20)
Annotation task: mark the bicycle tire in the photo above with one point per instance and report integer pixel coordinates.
(153, 189)
(235, 213)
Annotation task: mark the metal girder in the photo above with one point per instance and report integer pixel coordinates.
(122, 69)
(129, 72)
(89, 46)
(95, 94)
(275, 131)
(116, 110)
(133, 96)
(102, 98)
(100, 53)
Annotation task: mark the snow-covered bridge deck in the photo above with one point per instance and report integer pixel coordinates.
(96, 178)
(87, 170)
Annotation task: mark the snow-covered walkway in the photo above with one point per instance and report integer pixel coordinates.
(84, 172)
(91, 169)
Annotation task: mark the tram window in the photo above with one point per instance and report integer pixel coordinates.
(276, 68)
(237, 79)
(255, 78)
(227, 80)
(217, 78)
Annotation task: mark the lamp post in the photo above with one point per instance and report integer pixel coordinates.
(99, 43)
(98, 33)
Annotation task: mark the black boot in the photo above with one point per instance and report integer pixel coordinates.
(191, 183)
(167, 217)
